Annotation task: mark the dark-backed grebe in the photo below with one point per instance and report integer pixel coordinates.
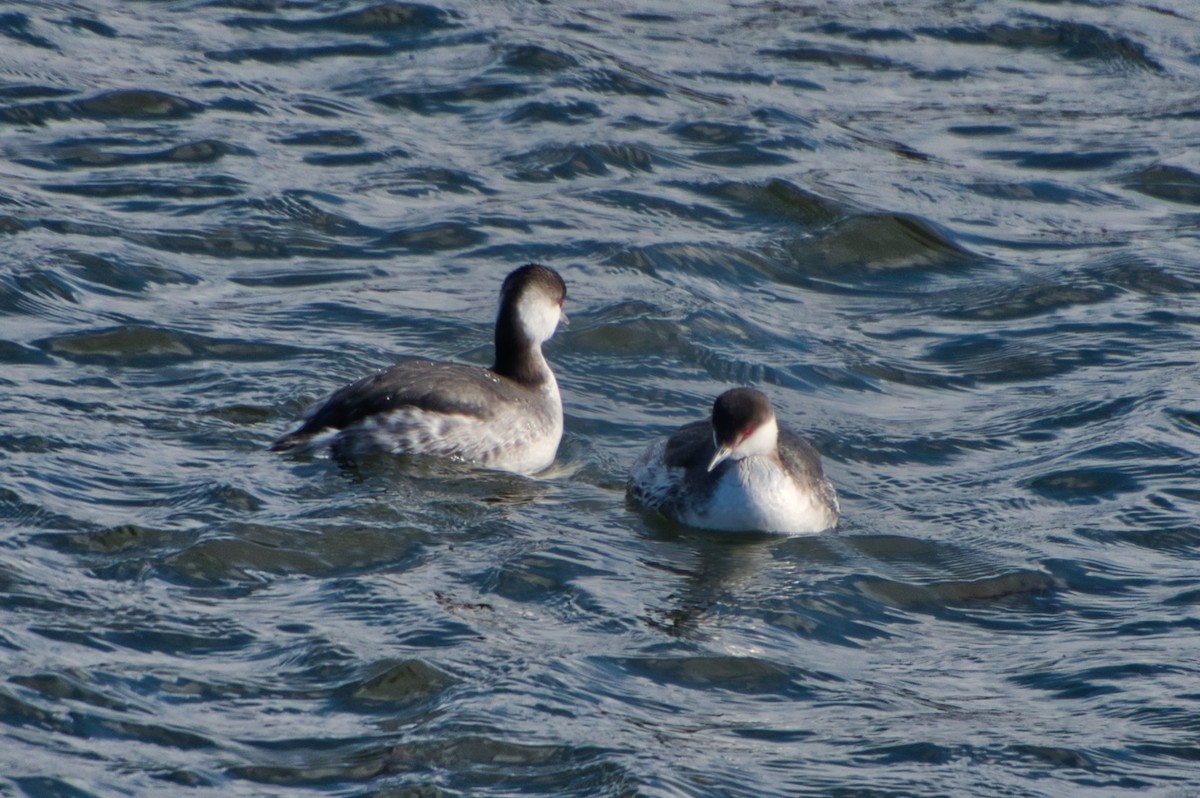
(739, 471)
(508, 417)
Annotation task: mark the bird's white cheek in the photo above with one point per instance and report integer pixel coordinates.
(760, 442)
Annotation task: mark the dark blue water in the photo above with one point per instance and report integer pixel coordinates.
(955, 243)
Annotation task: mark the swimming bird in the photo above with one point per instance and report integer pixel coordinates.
(738, 471)
(507, 417)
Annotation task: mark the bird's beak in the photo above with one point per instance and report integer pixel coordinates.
(562, 317)
(722, 454)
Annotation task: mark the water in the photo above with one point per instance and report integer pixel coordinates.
(956, 243)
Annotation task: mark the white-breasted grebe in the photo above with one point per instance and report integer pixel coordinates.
(739, 471)
(507, 417)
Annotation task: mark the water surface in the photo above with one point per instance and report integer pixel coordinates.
(955, 243)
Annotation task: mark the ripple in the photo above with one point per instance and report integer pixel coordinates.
(1166, 182)
(1056, 757)
(422, 181)
(867, 245)
(537, 58)
(26, 91)
(99, 153)
(37, 292)
(396, 684)
(306, 278)
(132, 104)
(1025, 300)
(70, 686)
(1082, 413)
(860, 33)
(148, 632)
(616, 82)
(14, 353)
(472, 763)
(742, 155)
(726, 265)
(1084, 485)
(737, 674)
(570, 162)
(300, 210)
(281, 56)
(719, 133)
(434, 237)
(338, 137)
(193, 187)
(248, 553)
(934, 595)
(393, 27)
(126, 538)
(1186, 420)
(830, 56)
(1075, 41)
(1090, 682)
(560, 113)
(1066, 160)
(1143, 275)
(659, 205)
(225, 242)
(1160, 521)
(920, 753)
(1047, 191)
(139, 732)
(121, 275)
(217, 561)
(533, 577)
(139, 346)
(16, 26)
(777, 199)
(375, 20)
(881, 449)
(982, 130)
(93, 26)
(455, 100)
(997, 359)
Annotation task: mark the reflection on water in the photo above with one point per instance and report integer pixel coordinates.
(955, 245)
